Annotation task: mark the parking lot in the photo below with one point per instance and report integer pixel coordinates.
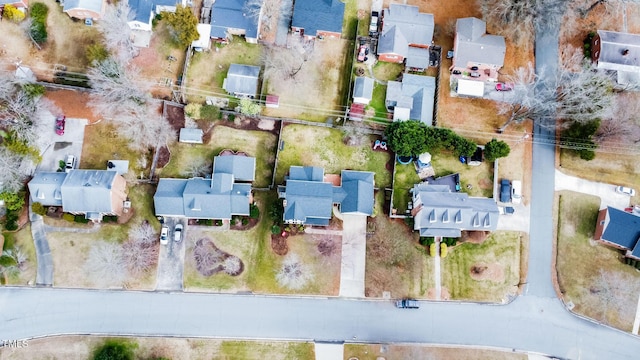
(57, 147)
(171, 258)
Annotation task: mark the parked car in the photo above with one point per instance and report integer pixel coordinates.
(60, 123)
(505, 191)
(516, 191)
(504, 86)
(407, 304)
(373, 26)
(362, 53)
(69, 163)
(177, 233)
(164, 235)
(626, 190)
(506, 210)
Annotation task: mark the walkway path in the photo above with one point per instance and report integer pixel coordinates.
(437, 272)
(354, 248)
(44, 273)
(606, 192)
(93, 229)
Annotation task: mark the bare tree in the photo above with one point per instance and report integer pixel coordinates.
(590, 5)
(293, 274)
(145, 130)
(15, 170)
(13, 262)
(105, 264)
(623, 128)
(199, 169)
(287, 62)
(141, 250)
(232, 265)
(116, 31)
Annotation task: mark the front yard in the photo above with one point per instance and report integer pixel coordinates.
(21, 241)
(376, 351)
(185, 158)
(324, 147)
(591, 276)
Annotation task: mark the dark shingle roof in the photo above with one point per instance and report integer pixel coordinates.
(622, 229)
(358, 187)
(168, 197)
(318, 15)
(243, 168)
(474, 45)
(308, 199)
(142, 8)
(227, 14)
(242, 79)
(404, 25)
(416, 93)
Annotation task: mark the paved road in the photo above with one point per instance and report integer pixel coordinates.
(606, 192)
(533, 324)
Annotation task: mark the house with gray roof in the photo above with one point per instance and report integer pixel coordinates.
(619, 229)
(93, 193)
(412, 99)
(143, 11)
(363, 90)
(404, 27)
(242, 80)
(317, 18)
(225, 194)
(619, 52)
(229, 17)
(84, 9)
(473, 47)
(439, 212)
(309, 200)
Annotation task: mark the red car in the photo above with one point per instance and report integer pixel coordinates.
(362, 53)
(60, 121)
(504, 86)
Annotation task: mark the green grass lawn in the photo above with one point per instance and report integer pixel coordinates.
(324, 147)
(378, 102)
(258, 144)
(387, 71)
(479, 177)
(23, 240)
(350, 20)
(500, 252)
(590, 275)
(102, 143)
(247, 350)
(405, 178)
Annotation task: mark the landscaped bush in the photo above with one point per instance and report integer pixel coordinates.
(275, 229)
(10, 12)
(426, 241)
(13, 201)
(80, 219)
(443, 250)
(109, 219)
(68, 217)
(11, 221)
(254, 211)
(38, 30)
(450, 241)
(432, 249)
(245, 221)
(115, 350)
(38, 208)
(217, 223)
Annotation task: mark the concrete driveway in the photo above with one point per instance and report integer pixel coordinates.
(520, 220)
(62, 145)
(171, 259)
(606, 192)
(354, 254)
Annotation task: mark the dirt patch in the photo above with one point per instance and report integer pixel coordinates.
(242, 122)
(164, 155)
(236, 224)
(327, 245)
(175, 116)
(485, 183)
(474, 237)
(268, 125)
(444, 294)
(491, 272)
(211, 260)
(279, 244)
(72, 103)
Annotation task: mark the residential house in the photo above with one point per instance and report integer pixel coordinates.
(225, 194)
(230, 17)
(363, 90)
(619, 229)
(439, 212)
(412, 99)
(93, 193)
(406, 34)
(242, 80)
(476, 51)
(144, 10)
(85, 9)
(309, 199)
(18, 4)
(619, 52)
(318, 18)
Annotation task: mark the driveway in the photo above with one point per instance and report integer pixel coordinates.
(44, 272)
(520, 220)
(171, 259)
(606, 192)
(62, 145)
(354, 248)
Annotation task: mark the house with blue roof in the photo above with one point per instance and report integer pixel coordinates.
(309, 200)
(93, 193)
(229, 17)
(412, 98)
(619, 229)
(144, 10)
(225, 194)
(318, 18)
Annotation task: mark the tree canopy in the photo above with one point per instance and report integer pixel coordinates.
(183, 25)
(495, 149)
(407, 138)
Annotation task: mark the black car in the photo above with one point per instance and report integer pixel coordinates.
(505, 191)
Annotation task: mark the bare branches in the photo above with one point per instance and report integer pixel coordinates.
(15, 170)
(293, 274)
(624, 126)
(287, 62)
(141, 249)
(105, 264)
(116, 31)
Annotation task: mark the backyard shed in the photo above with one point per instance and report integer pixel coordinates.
(470, 88)
(191, 135)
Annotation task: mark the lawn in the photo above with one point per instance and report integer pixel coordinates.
(591, 276)
(82, 347)
(484, 272)
(375, 351)
(258, 144)
(23, 240)
(404, 179)
(387, 71)
(378, 102)
(208, 69)
(324, 147)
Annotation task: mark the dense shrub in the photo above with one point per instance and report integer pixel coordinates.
(109, 219)
(443, 250)
(13, 201)
(38, 208)
(115, 350)
(432, 249)
(80, 219)
(245, 221)
(254, 211)
(275, 229)
(10, 12)
(38, 30)
(426, 241)
(68, 217)
(450, 241)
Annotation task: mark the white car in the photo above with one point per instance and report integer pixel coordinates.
(69, 163)
(164, 235)
(626, 190)
(516, 191)
(177, 233)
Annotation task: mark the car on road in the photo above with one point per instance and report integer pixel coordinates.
(60, 123)
(504, 86)
(69, 163)
(626, 190)
(164, 235)
(177, 233)
(407, 304)
(362, 53)
(516, 191)
(505, 191)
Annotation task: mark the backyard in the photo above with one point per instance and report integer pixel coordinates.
(208, 69)
(592, 278)
(324, 147)
(186, 158)
(489, 271)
